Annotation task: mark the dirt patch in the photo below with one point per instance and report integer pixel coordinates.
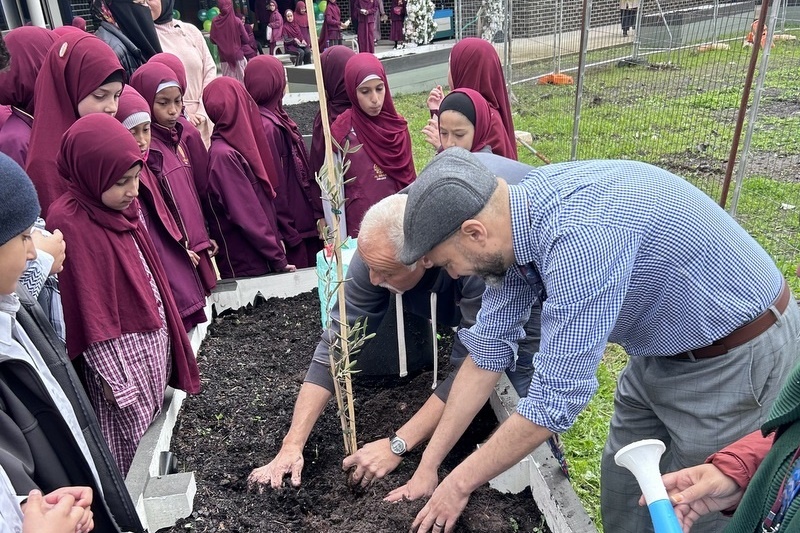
(253, 363)
(303, 115)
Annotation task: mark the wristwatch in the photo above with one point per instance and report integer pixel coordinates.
(397, 445)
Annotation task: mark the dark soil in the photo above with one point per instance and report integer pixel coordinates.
(303, 115)
(252, 364)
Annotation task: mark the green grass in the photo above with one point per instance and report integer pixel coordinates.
(680, 118)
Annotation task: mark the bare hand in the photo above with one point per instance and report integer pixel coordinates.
(699, 490)
(54, 245)
(384, 18)
(435, 98)
(431, 133)
(194, 257)
(214, 248)
(372, 461)
(83, 498)
(196, 119)
(289, 268)
(442, 510)
(61, 517)
(421, 485)
(322, 228)
(288, 461)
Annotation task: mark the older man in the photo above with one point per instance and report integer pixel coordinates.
(374, 275)
(616, 251)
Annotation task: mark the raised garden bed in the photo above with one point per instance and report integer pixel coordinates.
(253, 362)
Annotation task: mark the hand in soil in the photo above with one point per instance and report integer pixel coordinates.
(288, 461)
(374, 460)
(421, 485)
(441, 512)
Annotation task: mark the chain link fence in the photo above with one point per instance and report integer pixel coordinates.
(669, 92)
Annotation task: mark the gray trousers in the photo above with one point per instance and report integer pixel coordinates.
(696, 408)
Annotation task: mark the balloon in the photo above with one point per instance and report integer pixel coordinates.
(176, 14)
(213, 12)
(207, 25)
(322, 5)
(202, 15)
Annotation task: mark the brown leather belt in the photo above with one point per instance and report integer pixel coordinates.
(744, 334)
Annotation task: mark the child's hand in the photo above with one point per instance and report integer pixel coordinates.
(193, 257)
(435, 98)
(431, 133)
(62, 517)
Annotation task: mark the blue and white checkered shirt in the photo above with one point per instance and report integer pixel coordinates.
(620, 252)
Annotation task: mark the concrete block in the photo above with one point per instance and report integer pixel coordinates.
(168, 498)
(237, 293)
(552, 492)
(146, 461)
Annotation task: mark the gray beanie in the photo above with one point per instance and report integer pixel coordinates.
(454, 187)
(19, 205)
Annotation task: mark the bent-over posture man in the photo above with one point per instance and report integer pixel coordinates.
(375, 274)
(615, 251)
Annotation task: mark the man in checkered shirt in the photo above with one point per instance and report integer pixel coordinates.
(625, 253)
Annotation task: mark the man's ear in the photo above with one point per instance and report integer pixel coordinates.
(474, 230)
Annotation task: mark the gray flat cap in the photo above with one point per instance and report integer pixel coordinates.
(454, 187)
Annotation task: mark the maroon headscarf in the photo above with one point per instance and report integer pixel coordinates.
(291, 29)
(474, 64)
(237, 120)
(28, 46)
(301, 18)
(385, 137)
(174, 63)
(226, 33)
(333, 61)
(79, 22)
(146, 81)
(132, 105)
(198, 154)
(63, 31)
(489, 129)
(76, 65)
(105, 299)
(265, 80)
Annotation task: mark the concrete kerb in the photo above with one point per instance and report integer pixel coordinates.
(162, 498)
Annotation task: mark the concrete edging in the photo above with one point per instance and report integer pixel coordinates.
(163, 498)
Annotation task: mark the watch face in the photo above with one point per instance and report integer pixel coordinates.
(398, 446)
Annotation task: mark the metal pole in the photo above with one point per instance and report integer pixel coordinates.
(458, 8)
(716, 21)
(751, 121)
(509, 70)
(587, 10)
(748, 83)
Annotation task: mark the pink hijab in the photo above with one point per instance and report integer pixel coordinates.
(28, 46)
(226, 32)
(237, 120)
(385, 138)
(126, 303)
(474, 64)
(76, 65)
